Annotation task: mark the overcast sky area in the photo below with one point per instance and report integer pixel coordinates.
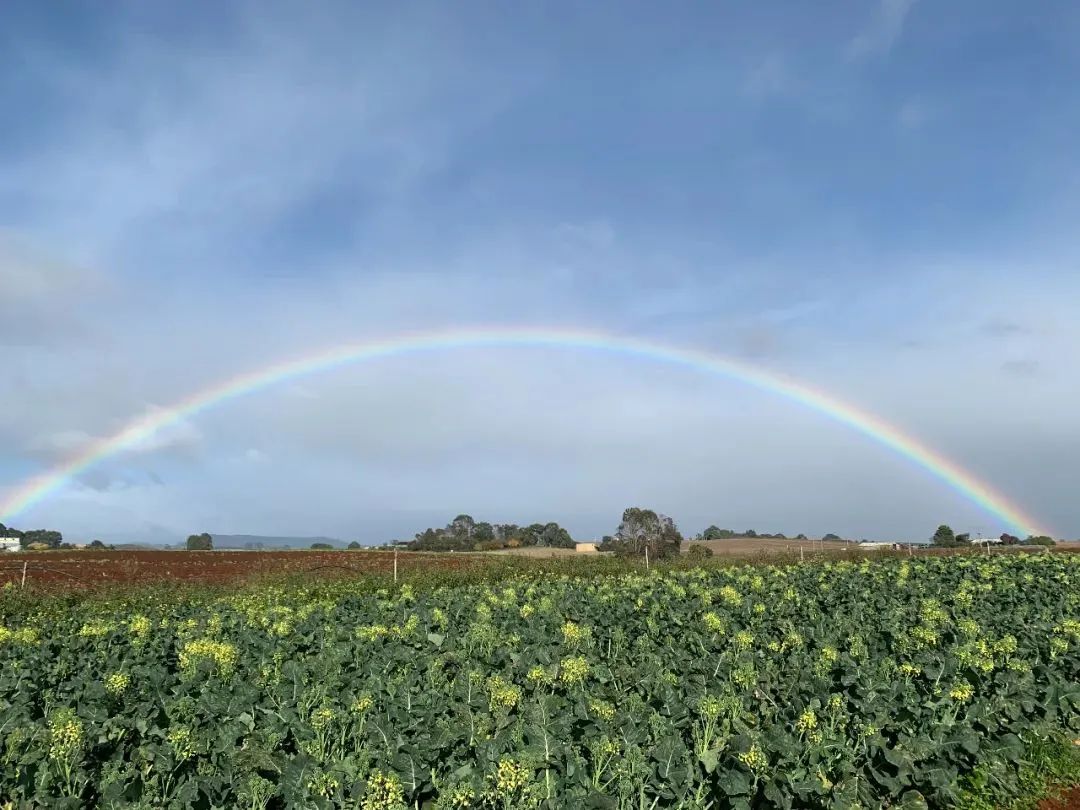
(877, 198)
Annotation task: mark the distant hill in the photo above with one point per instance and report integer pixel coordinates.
(259, 541)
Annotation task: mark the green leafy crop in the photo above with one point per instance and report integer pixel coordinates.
(907, 684)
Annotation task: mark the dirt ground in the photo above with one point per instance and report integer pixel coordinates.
(83, 568)
(1066, 801)
(749, 546)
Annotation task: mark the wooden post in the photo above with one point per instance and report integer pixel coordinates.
(646, 558)
(395, 565)
(24, 574)
(801, 557)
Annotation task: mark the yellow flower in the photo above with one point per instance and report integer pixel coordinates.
(510, 777)
(539, 675)
(182, 745)
(139, 626)
(221, 655)
(324, 784)
(322, 718)
(94, 629)
(807, 721)
(574, 634)
(714, 624)
(460, 797)
(372, 632)
(754, 759)
(65, 735)
(962, 692)
(502, 695)
(710, 707)
(730, 596)
(384, 792)
(573, 670)
(743, 639)
(362, 704)
(602, 709)
(117, 683)
(24, 635)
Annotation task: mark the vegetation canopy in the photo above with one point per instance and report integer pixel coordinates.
(904, 683)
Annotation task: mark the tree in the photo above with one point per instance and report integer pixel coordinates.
(831, 537)
(749, 533)
(96, 544)
(698, 552)
(643, 529)
(483, 532)
(714, 533)
(1040, 540)
(944, 537)
(41, 537)
(200, 542)
(507, 532)
(354, 545)
(1009, 539)
(963, 539)
(462, 526)
(322, 546)
(801, 536)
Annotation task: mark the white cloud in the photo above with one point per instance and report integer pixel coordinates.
(913, 114)
(883, 32)
(769, 77)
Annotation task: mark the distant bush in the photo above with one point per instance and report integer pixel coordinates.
(944, 537)
(699, 552)
(831, 536)
(355, 545)
(200, 542)
(322, 546)
(1040, 540)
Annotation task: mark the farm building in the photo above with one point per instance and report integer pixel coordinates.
(585, 548)
(10, 544)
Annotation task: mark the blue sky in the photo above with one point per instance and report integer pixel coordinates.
(874, 197)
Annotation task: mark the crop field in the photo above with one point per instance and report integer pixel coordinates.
(65, 570)
(928, 682)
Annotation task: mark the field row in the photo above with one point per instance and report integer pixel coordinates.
(842, 685)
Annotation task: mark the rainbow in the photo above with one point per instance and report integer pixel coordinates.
(35, 489)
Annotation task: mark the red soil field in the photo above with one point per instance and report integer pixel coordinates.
(59, 570)
(1066, 801)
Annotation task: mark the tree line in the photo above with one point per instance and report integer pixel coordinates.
(716, 533)
(35, 539)
(463, 533)
(945, 537)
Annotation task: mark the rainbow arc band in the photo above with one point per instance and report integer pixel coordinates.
(37, 488)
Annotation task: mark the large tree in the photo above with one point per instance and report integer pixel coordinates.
(944, 537)
(716, 533)
(45, 537)
(643, 529)
(463, 526)
(200, 542)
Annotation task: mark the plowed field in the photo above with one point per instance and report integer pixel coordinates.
(76, 569)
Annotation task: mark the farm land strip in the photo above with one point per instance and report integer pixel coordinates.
(932, 681)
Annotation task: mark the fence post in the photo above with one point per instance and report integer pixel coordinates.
(24, 574)
(646, 558)
(801, 557)
(395, 566)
